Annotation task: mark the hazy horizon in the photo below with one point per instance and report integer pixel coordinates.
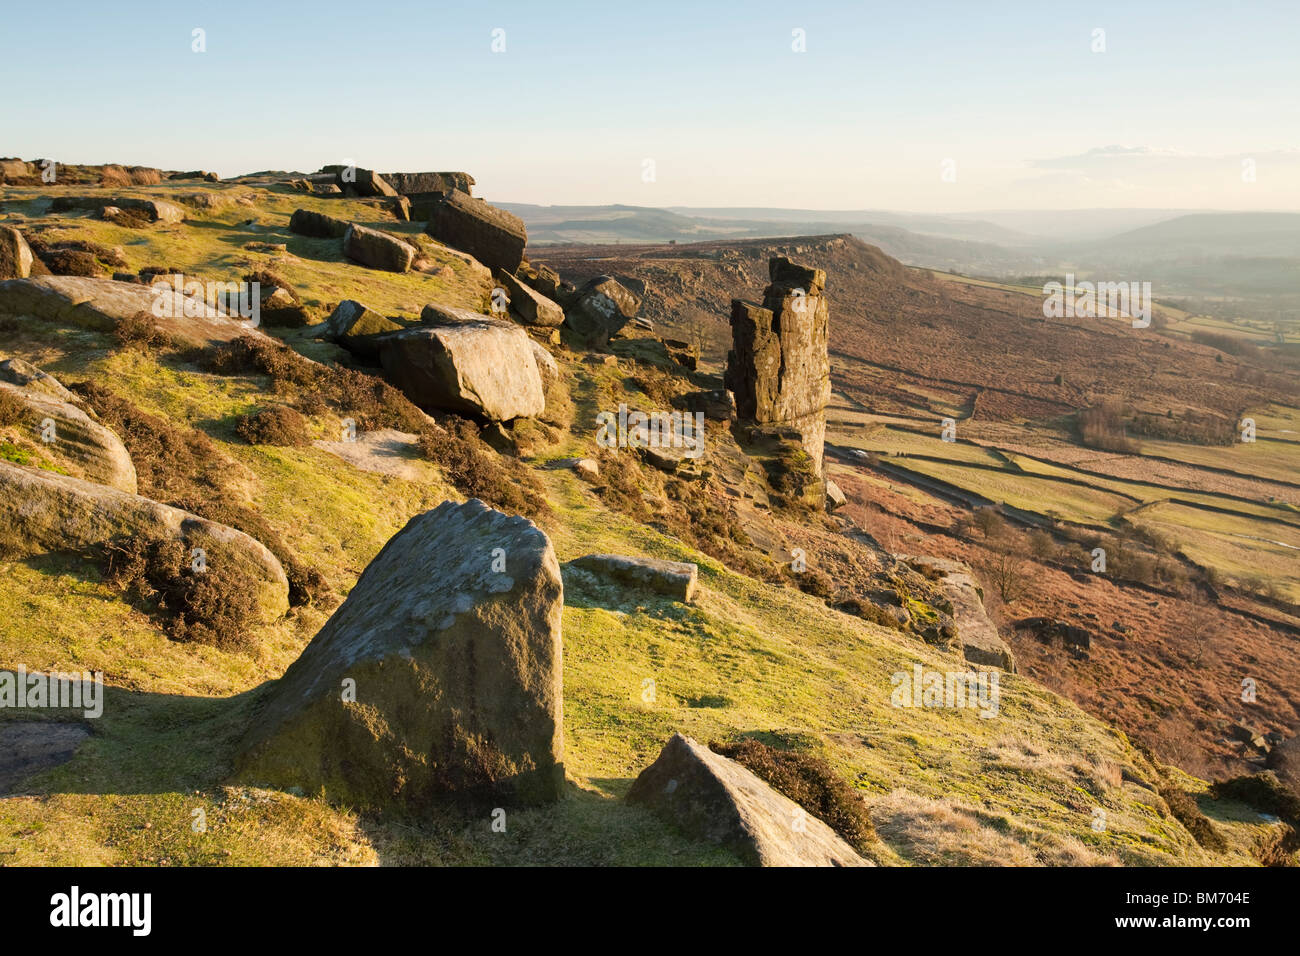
(934, 108)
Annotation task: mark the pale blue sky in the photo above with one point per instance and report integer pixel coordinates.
(713, 93)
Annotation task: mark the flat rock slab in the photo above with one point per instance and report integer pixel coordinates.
(100, 304)
(29, 747)
(449, 646)
(677, 579)
(49, 512)
(376, 249)
(528, 305)
(384, 451)
(717, 800)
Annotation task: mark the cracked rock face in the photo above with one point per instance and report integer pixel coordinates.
(439, 676)
(779, 367)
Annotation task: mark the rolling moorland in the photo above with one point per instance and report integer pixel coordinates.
(1070, 435)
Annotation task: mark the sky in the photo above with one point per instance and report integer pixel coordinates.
(925, 107)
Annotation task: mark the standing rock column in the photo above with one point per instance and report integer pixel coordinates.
(778, 368)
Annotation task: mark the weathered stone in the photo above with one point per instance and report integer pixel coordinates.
(77, 442)
(779, 367)
(685, 354)
(401, 207)
(101, 304)
(155, 210)
(377, 249)
(717, 404)
(600, 309)
(981, 643)
(834, 497)
(27, 376)
(451, 643)
(15, 255)
(493, 236)
(465, 362)
(677, 579)
(555, 391)
(362, 182)
(49, 512)
(529, 306)
(541, 278)
(11, 169)
(356, 328)
(317, 225)
(715, 799)
(413, 184)
(197, 174)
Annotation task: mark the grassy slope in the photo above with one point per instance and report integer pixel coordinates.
(946, 786)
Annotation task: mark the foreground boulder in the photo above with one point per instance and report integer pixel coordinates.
(465, 362)
(715, 799)
(67, 434)
(41, 512)
(317, 225)
(377, 249)
(677, 579)
(528, 305)
(15, 255)
(493, 236)
(439, 675)
(600, 309)
(981, 643)
(102, 304)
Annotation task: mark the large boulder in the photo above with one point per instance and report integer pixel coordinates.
(528, 305)
(555, 391)
(981, 643)
(493, 236)
(600, 309)
(15, 255)
(317, 225)
(42, 511)
(677, 579)
(419, 184)
(439, 675)
(155, 210)
(362, 182)
(715, 799)
(779, 366)
(74, 440)
(101, 304)
(356, 328)
(377, 249)
(465, 362)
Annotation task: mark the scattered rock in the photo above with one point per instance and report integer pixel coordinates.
(465, 362)
(15, 255)
(600, 309)
(529, 306)
(715, 799)
(317, 225)
(47, 512)
(717, 404)
(834, 497)
(493, 236)
(982, 645)
(377, 249)
(455, 668)
(362, 182)
(356, 327)
(677, 579)
(685, 354)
